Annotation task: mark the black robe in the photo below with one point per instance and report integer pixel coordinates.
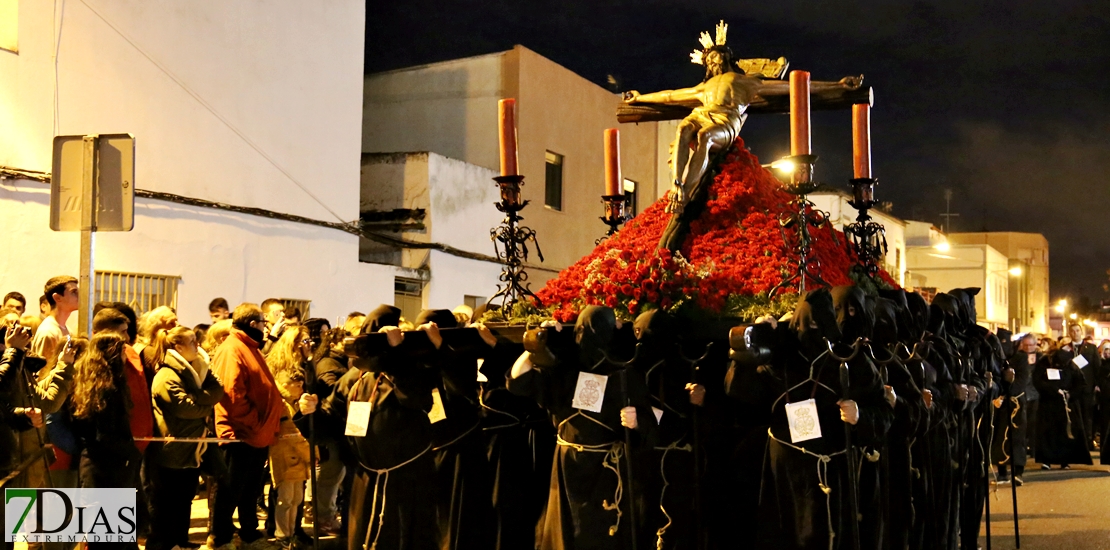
(794, 511)
(587, 481)
(671, 513)
(1091, 374)
(464, 511)
(1061, 438)
(520, 443)
(398, 440)
(1011, 421)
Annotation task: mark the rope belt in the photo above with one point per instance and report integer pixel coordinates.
(382, 481)
(822, 478)
(613, 453)
(1013, 425)
(1067, 411)
(206, 439)
(1017, 407)
(674, 446)
(457, 439)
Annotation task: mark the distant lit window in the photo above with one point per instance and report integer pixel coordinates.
(630, 196)
(9, 25)
(553, 182)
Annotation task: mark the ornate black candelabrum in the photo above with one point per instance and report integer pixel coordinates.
(867, 238)
(511, 244)
(615, 214)
(804, 216)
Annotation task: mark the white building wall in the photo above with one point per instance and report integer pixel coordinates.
(228, 101)
(966, 266)
(459, 199)
(841, 213)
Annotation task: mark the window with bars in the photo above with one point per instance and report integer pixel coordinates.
(142, 291)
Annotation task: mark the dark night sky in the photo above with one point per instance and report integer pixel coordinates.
(1005, 103)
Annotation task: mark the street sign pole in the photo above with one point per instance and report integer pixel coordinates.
(92, 189)
(89, 205)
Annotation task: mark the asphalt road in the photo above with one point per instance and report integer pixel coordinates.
(1057, 510)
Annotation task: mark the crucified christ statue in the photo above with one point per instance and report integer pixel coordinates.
(719, 105)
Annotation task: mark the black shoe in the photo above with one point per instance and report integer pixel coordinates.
(1046, 467)
(1018, 481)
(1065, 467)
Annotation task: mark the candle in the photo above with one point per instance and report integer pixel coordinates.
(614, 185)
(506, 115)
(861, 140)
(799, 113)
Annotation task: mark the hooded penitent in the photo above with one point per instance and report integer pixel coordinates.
(654, 331)
(853, 316)
(814, 320)
(919, 313)
(593, 332)
(443, 318)
(382, 316)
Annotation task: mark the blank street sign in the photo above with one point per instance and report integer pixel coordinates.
(113, 170)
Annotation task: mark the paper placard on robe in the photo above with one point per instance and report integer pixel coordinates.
(804, 424)
(658, 414)
(590, 392)
(1053, 374)
(358, 418)
(1079, 361)
(437, 413)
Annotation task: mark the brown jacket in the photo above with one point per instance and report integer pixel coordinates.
(251, 408)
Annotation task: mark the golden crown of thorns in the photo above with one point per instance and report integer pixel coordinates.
(707, 42)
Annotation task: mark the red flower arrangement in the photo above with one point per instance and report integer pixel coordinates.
(734, 249)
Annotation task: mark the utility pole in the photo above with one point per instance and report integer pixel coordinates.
(948, 214)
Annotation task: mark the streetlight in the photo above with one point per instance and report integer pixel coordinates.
(1015, 271)
(1061, 308)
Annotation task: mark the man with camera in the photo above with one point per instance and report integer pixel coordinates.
(14, 340)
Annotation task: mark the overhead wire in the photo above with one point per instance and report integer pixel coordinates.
(214, 113)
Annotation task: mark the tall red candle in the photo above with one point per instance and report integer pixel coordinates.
(614, 185)
(861, 140)
(506, 116)
(799, 113)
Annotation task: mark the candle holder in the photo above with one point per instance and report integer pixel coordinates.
(803, 218)
(866, 237)
(511, 244)
(615, 214)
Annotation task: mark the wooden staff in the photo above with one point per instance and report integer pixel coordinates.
(625, 366)
(987, 461)
(310, 386)
(695, 426)
(1013, 477)
(849, 449)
